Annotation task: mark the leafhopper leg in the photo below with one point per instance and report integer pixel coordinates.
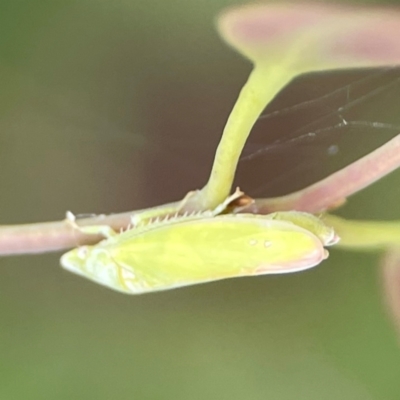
(103, 230)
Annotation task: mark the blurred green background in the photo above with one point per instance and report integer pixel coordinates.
(108, 106)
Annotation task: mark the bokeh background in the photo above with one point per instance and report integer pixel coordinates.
(108, 106)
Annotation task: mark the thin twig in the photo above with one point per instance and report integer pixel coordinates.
(59, 235)
(333, 190)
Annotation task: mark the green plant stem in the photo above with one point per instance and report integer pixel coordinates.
(261, 87)
(365, 235)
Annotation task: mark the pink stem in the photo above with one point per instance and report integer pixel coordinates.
(53, 236)
(391, 284)
(333, 190)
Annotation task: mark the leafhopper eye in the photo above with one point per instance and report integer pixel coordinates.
(82, 252)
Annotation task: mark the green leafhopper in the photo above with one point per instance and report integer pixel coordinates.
(186, 250)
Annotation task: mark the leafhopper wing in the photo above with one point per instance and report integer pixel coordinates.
(189, 250)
